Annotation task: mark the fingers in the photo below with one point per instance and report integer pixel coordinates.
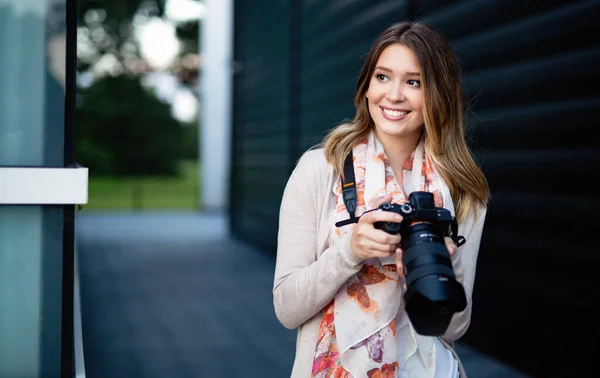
(376, 248)
(375, 239)
(380, 216)
(382, 237)
(400, 267)
(376, 202)
(369, 242)
(450, 245)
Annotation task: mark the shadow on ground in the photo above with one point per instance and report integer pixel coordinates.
(173, 295)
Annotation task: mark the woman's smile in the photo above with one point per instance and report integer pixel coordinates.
(394, 114)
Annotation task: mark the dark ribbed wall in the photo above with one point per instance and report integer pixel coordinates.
(261, 117)
(531, 71)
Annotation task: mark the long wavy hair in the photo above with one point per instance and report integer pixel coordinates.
(443, 114)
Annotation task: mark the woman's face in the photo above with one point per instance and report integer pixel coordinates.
(395, 97)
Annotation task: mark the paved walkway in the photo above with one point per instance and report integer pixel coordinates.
(173, 295)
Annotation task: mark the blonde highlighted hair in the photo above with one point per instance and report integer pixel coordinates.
(443, 114)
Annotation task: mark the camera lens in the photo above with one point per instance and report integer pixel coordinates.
(433, 294)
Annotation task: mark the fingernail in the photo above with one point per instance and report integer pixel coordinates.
(374, 201)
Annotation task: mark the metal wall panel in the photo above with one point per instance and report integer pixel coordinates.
(530, 71)
(531, 79)
(261, 121)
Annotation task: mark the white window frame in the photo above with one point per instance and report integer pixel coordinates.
(43, 186)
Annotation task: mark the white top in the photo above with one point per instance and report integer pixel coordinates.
(444, 366)
(401, 325)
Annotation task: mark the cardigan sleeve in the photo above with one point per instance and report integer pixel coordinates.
(464, 263)
(303, 284)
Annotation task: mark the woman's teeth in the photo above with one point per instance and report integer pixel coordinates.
(395, 113)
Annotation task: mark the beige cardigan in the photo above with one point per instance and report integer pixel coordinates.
(308, 274)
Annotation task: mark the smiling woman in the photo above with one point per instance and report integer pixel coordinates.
(339, 277)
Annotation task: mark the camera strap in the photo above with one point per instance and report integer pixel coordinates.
(456, 238)
(349, 191)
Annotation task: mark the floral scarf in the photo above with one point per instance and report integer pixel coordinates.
(357, 336)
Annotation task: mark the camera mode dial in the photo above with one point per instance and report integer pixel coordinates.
(386, 206)
(405, 208)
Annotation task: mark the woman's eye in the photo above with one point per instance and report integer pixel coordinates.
(381, 77)
(414, 83)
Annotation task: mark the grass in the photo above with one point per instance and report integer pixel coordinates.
(157, 193)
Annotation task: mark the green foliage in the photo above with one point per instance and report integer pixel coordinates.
(124, 130)
(189, 146)
(189, 34)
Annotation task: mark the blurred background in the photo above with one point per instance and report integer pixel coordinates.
(191, 115)
(137, 103)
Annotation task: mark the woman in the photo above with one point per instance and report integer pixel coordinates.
(342, 287)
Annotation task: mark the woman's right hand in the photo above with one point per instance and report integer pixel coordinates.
(367, 242)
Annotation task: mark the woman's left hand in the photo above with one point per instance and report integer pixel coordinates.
(400, 268)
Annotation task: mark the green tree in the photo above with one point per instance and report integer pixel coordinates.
(126, 130)
(123, 129)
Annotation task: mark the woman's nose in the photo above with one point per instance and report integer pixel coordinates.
(395, 92)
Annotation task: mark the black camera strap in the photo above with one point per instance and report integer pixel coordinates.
(456, 238)
(349, 191)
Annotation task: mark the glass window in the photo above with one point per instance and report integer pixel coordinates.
(32, 66)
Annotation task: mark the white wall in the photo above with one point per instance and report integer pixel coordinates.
(216, 49)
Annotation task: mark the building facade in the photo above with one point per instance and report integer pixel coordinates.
(530, 72)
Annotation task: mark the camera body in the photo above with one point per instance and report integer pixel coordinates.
(433, 295)
(420, 208)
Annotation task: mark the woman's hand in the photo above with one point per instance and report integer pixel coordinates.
(367, 242)
(451, 250)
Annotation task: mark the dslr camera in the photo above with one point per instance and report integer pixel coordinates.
(433, 294)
